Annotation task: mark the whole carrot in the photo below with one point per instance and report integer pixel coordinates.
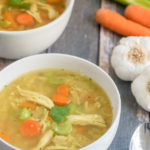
(138, 14)
(120, 24)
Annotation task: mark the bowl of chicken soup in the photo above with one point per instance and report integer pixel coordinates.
(28, 27)
(57, 101)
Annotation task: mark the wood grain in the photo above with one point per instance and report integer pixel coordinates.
(131, 114)
(84, 38)
(81, 35)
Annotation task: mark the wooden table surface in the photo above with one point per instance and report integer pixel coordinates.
(84, 38)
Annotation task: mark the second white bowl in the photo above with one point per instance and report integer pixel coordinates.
(76, 64)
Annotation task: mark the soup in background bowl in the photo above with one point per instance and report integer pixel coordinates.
(51, 108)
(27, 14)
(39, 36)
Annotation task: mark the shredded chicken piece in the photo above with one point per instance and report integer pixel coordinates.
(63, 140)
(34, 12)
(52, 13)
(45, 122)
(91, 119)
(1, 9)
(44, 140)
(57, 148)
(36, 97)
(41, 115)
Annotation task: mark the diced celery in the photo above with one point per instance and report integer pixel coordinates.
(62, 128)
(53, 80)
(4, 23)
(25, 114)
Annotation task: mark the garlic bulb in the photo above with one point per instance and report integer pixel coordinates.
(130, 57)
(140, 88)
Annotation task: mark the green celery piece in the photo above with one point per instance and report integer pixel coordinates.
(5, 23)
(25, 114)
(18, 4)
(54, 80)
(59, 113)
(144, 3)
(63, 128)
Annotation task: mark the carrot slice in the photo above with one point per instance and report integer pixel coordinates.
(53, 1)
(25, 19)
(5, 138)
(29, 105)
(8, 16)
(30, 128)
(63, 90)
(44, 15)
(61, 100)
(61, 10)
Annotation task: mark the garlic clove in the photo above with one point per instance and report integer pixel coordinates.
(140, 88)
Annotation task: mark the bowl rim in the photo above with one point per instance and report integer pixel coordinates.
(41, 28)
(118, 112)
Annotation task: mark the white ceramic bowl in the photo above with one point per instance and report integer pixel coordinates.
(76, 64)
(18, 44)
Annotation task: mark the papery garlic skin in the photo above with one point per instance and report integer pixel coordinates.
(130, 57)
(140, 88)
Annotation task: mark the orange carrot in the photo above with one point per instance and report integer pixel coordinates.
(63, 90)
(25, 19)
(53, 1)
(138, 14)
(61, 9)
(120, 24)
(60, 100)
(8, 16)
(29, 128)
(28, 104)
(5, 138)
(44, 15)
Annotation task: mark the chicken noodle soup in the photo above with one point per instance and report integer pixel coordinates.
(27, 14)
(53, 109)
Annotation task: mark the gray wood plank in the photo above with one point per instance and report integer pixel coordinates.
(131, 114)
(81, 35)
